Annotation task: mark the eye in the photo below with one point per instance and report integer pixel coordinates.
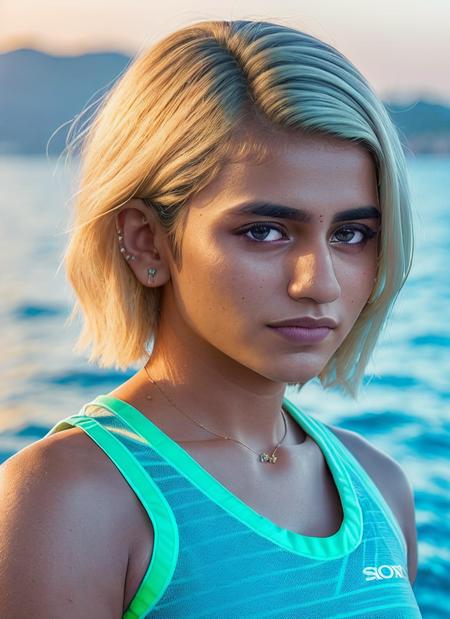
(349, 231)
(365, 232)
(259, 230)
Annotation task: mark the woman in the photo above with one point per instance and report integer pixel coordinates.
(244, 208)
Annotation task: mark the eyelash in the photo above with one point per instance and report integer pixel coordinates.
(367, 232)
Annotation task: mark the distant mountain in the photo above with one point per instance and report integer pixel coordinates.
(424, 126)
(40, 93)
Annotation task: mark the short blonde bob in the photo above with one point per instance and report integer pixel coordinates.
(163, 132)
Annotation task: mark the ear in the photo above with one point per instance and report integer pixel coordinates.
(143, 242)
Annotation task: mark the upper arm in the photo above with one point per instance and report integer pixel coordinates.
(393, 484)
(57, 556)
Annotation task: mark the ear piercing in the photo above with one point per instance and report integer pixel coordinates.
(151, 272)
(123, 250)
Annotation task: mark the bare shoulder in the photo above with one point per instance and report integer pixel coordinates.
(63, 523)
(393, 483)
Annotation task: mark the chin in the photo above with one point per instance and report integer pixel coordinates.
(294, 376)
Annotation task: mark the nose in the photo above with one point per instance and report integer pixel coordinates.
(314, 277)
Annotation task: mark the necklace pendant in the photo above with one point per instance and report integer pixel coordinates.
(264, 457)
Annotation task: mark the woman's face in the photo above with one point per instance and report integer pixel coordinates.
(241, 272)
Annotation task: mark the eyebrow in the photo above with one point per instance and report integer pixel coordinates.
(286, 212)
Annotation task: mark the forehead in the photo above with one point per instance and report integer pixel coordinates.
(313, 172)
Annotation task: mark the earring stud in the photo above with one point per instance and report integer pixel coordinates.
(151, 274)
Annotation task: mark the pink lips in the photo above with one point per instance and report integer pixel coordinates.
(303, 335)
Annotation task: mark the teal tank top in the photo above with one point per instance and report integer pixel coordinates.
(216, 557)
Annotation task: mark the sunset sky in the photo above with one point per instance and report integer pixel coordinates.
(400, 45)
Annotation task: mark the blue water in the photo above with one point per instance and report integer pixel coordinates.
(404, 408)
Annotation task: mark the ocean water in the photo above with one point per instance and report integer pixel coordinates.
(403, 409)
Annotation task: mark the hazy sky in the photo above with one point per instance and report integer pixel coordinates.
(401, 45)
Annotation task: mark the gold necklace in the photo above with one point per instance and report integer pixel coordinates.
(262, 456)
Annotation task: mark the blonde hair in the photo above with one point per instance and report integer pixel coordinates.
(163, 132)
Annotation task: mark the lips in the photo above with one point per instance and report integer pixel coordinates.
(302, 335)
(309, 322)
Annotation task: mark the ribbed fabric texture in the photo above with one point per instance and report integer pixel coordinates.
(215, 557)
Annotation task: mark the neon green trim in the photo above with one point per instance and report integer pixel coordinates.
(372, 489)
(346, 539)
(166, 542)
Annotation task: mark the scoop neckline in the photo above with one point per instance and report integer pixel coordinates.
(340, 543)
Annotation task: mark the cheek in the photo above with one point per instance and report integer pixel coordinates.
(221, 289)
(370, 273)
(358, 287)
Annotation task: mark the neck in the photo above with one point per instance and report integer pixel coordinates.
(210, 387)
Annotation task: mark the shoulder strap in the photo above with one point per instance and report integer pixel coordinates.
(365, 479)
(166, 541)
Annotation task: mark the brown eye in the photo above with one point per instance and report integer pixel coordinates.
(260, 232)
(347, 234)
